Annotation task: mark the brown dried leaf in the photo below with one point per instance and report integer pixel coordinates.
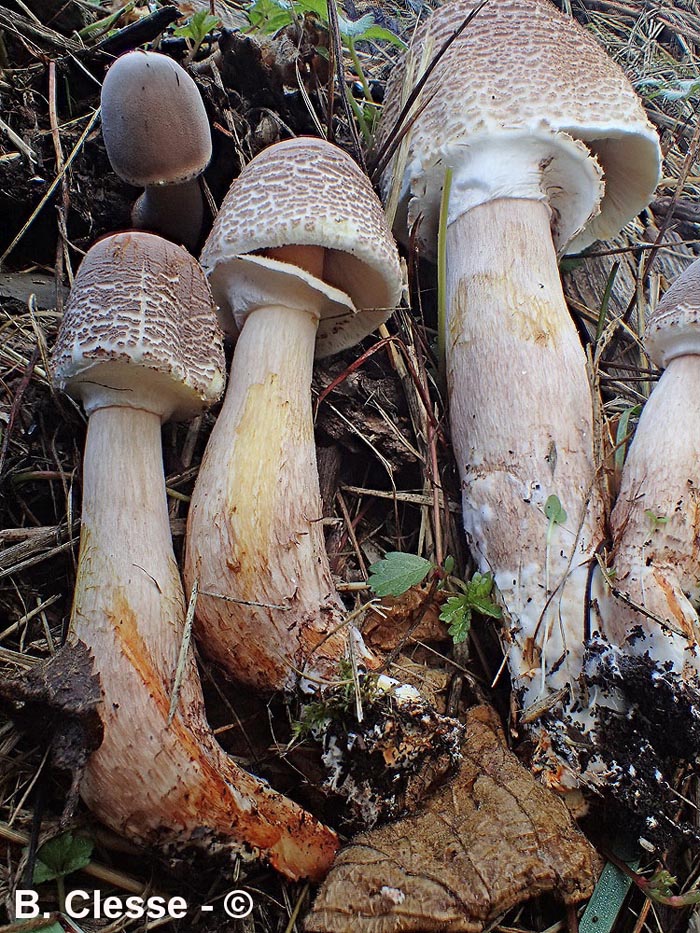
(489, 840)
(394, 619)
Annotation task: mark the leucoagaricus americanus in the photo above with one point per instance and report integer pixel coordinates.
(157, 136)
(656, 548)
(300, 257)
(549, 149)
(644, 660)
(139, 344)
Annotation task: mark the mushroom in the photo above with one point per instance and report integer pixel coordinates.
(301, 258)
(157, 136)
(548, 148)
(644, 659)
(656, 553)
(656, 548)
(139, 344)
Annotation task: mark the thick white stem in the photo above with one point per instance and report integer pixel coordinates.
(522, 429)
(161, 783)
(656, 527)
(255, 536)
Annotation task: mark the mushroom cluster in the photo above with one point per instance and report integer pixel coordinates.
(139, 344)
(302, 264)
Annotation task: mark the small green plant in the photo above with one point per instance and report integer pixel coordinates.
(269, 16)
(623, 435)
(658, 889)
(476, 596)
(655, 520)
(337, 704)
(398, 572)
(555, 512)
(195, 31)
(59, 857)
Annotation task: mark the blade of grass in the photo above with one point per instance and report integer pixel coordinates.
(442, 273)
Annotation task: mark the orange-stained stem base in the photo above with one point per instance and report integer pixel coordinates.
(159, 783)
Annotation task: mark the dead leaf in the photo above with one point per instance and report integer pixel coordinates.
(484, 843)
(406, 617)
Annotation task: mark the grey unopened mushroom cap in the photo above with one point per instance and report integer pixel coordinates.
(519, 70)
(140, 330)
(673, 329)
(307, 192)
(154, 123)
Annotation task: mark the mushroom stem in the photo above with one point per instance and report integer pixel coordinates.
(522, 429)
(255, 535)
(164, 783)
(174, 211)
(655, 526)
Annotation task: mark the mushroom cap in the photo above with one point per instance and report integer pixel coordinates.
(140, 330)
(520, 74)
(306, 192)
(154, 123)
(673, 328)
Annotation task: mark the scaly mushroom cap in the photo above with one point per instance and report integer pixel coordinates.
(154, 123)
(673, 329)
(140, 330)
(305, 192)
(521, 74)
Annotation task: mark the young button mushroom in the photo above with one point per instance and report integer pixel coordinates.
(549, 149)
(157, 136)
(139, 344)
(301, 258)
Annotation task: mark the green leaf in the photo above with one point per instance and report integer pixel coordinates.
(477, 597)
(623, 435)
(458, 616)
(317, 7)
(397, 573)
(448, 564)
(380, 34)
(198, 26)
(270, 16)
(656, 520)
(355, 29)
(62, 855)
(479, 594)
(554, 510)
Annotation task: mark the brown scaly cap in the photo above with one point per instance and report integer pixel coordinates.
(307, 192)
(154, 123)
(673, 329)
(139, 329)
(520, 69)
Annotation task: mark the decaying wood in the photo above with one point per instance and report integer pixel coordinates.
(489, 840)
